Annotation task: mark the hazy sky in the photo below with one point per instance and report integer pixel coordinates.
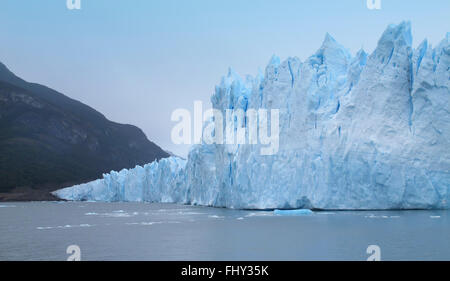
(138, 60)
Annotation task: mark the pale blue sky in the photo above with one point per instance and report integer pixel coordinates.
(138, 60)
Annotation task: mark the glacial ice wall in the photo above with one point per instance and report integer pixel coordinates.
(356, 132)
(162, 181)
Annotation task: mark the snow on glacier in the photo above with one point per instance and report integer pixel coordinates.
(370, 131)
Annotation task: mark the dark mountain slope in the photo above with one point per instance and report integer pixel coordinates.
(48, 140)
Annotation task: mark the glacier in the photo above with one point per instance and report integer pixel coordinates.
(364, 131)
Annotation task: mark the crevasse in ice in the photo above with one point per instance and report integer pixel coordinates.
(356, 132)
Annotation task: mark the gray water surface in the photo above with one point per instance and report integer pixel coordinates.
(144, 231)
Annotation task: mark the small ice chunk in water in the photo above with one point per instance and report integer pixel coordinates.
(216, 217)
(298, 212)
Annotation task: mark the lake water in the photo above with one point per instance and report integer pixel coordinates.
(144, 231)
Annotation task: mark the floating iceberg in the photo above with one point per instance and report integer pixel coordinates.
(356, 132)
(298, 212)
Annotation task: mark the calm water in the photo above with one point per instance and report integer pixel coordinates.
(139, 231)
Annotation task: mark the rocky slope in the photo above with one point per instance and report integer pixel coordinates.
(49, 141)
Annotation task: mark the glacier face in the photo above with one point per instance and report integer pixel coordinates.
(166, 179)
(356, 132)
